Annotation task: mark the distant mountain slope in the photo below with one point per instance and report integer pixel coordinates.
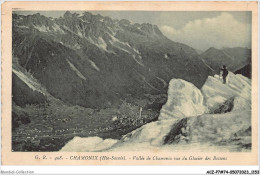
(179, 129)
(233, 58)
(94, 61)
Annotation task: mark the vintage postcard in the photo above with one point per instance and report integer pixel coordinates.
(129, 83)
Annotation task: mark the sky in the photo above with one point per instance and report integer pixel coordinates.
(200, 30)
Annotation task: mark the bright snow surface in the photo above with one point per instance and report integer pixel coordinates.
(185, 123)
(184, 100)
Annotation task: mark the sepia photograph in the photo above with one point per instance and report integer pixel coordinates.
(132, 81)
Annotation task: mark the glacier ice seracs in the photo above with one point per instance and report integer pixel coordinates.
(186, 121)
(184, 100)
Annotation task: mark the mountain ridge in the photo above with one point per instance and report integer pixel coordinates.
(87, 75)
(127, 57)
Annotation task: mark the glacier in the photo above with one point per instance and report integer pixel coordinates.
(216, 117)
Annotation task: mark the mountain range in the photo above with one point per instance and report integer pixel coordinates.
(215, 118)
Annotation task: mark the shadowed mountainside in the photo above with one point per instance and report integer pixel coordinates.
(93, 61)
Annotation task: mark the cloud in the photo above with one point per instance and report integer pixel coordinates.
(221, 31)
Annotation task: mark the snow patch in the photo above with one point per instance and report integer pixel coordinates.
(123, 49)
(207, 65)
(100, 44)
(137, 51)
(57, 28)
(183, 124)
(241, 104)
(84, 21)
(114, 41)
(236, 86)
(77, 46)
(209, 132)
(42, 28)
(143, 78)
(113, 31)
(78, 144)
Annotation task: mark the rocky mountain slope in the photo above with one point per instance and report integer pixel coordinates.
(93, 61)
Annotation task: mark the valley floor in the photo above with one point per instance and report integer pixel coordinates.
(50, 126)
